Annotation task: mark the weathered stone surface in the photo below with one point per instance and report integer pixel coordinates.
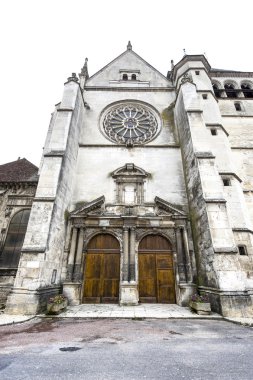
(194, 187)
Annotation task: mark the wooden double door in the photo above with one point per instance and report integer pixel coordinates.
(102, 270)
(156, 273)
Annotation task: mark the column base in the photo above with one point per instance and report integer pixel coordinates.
(72, 290)
(30, 302)
(129, 294)
(234, 304)
(185, 291)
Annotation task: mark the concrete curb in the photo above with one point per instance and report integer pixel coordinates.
(16, 322)
(238, 322)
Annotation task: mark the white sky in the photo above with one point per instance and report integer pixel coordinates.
(42, 42)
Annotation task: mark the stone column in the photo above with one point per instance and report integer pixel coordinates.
(187, 255)
(128, 290)
(125, 254)
(68, 237)
(79, 251)
(71, 257)
(132, 253)
(180, 255)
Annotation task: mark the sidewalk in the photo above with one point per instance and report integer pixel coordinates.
(154, 311)
(8, 319)
(157, 311)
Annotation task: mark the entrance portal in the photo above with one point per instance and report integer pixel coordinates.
(102, 270)
(156, 274)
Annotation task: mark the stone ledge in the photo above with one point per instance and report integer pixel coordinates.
(239, 229)
(44, 199)
(204, 155)
(232, 250)
(215, 200)
(33, 250)
(230, 174)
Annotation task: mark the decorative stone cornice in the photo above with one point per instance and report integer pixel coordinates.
(230, 74)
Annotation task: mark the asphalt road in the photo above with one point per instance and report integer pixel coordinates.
(105, 349)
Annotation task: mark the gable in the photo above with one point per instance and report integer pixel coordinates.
(128, 63)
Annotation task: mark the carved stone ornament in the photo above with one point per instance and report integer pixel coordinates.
(168, 232)
(90, 232)
(130, 124)
(186, 78)
(8, 211)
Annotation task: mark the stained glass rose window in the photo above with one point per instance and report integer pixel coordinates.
(130, 124)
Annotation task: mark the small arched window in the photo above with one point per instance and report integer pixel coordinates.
(230, 90)
(247, 90)
(125, 77)
(134, 77)
(9, 257)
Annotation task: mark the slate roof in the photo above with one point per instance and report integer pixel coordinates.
(21, 170)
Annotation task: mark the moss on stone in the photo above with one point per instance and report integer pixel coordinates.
(80, 204)
(66, 215)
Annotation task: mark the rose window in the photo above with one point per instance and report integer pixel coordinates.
(130, 124)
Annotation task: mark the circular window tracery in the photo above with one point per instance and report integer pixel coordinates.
(130, 124)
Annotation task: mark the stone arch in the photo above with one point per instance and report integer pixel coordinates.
(231, 88)
(92, 234)
(217, 88)
(231, 82)
(169, 235)
(247, 88)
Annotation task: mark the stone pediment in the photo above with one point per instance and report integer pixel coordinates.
(91, 208)
(97, 207)
(164, 207)
(129, 170)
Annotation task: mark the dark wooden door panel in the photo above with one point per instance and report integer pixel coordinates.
(147, 278)
(102, 270)
(93, 265)
(111, 266)
(166, 286)
(156, 274)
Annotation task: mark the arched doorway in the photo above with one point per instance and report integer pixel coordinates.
(156, 274)
(102, 270)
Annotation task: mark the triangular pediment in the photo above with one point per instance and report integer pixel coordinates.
(93, 207)
(167, 208)
(129, 63)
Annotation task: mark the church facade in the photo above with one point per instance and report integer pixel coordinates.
(145, 190)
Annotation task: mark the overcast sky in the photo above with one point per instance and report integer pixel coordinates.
(43, 42)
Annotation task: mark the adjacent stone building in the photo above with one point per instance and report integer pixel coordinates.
(18, 182)
(145, 191)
